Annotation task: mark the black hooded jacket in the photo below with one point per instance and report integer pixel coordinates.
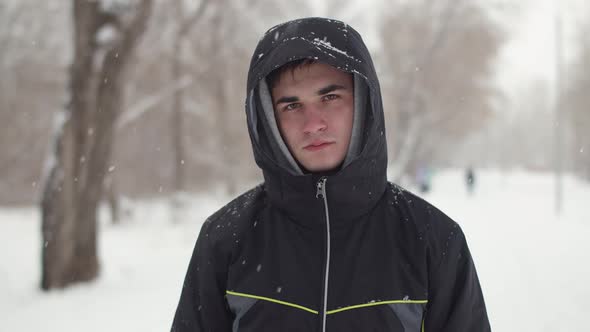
(337, 252)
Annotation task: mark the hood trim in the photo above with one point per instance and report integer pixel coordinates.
(358, 121)
(268, 110)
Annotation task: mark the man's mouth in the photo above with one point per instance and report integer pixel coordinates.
(319, 145)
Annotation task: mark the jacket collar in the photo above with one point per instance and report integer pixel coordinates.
(351, 193)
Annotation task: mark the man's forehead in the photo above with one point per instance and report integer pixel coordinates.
(314, 70)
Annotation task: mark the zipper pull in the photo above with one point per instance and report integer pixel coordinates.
(321, 187)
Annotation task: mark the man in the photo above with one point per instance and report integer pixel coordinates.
(326, 243)
(470, 180)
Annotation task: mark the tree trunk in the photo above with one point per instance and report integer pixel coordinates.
(176, 119)
(176, 122)
(74, 187)
(222, 118)
(58, 213)
(60, 202)
(113, 200)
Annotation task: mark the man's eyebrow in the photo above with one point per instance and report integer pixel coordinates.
(322, 91)
(287, 100)
(330, 88)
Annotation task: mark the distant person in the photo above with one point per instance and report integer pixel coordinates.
(424, 179)
(325, 243)
(470, 180)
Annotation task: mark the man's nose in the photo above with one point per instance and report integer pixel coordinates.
(314, 120)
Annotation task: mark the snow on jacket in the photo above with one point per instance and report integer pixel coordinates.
(339, 252)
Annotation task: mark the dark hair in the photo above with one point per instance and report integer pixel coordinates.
(273, 78)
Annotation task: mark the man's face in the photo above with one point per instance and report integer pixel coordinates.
(314, 107)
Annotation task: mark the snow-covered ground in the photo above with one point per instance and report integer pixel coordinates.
(534, 267)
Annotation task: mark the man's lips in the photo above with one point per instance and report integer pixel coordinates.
(315, 146)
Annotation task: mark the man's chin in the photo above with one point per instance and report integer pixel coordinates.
(322, 167)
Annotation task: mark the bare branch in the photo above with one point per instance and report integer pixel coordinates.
(142, 106)
(190, 21)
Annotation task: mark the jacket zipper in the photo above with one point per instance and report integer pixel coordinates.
(321, 193)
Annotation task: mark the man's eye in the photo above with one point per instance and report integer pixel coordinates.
(292, 106)
(330, 97)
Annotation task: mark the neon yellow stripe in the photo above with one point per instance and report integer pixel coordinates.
(273, 300)
(330, 311)
(376, 303)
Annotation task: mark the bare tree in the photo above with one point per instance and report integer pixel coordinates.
(32, 56)
(177, 117)
(35, 67)
(222, 53)
(437, 59)
(105, 34)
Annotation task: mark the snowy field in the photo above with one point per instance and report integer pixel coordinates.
(534, 267)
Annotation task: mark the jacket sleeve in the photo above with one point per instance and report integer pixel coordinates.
(456, 302)
(202, 306)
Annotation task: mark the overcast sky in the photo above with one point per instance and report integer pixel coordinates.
(529, 54)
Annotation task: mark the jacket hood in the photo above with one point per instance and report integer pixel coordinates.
(356, 186)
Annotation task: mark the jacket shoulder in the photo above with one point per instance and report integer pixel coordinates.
(430, 222)
(230, 221)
